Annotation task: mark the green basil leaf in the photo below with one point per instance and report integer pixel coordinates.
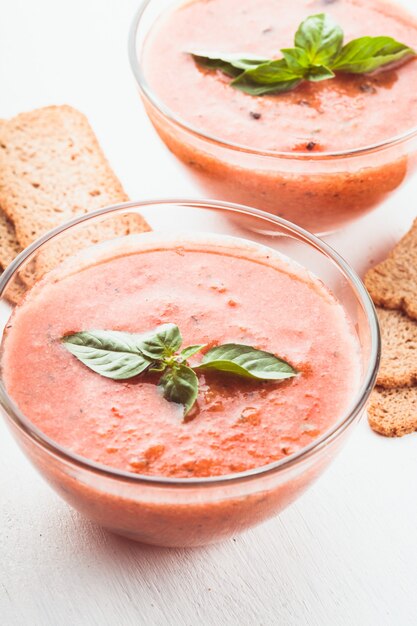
(112, 354)
(180, 384)
(297, 60)
(246, 361)
(267, 73)
(159, 366)
(272, 77)
(254, 89)
(231, 64)
(191, 351)
(317, 53)
(318, 73)
(320, 37)
(160, 343)
(367, 54)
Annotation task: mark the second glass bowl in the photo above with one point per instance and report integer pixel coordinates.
(321, 192)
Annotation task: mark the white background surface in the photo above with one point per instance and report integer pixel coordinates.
(344, 554)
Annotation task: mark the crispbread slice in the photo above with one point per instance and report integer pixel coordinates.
(51, 170)
(399, 350)
(393, 412)
(393, 283)
(9, 246)
(109, 228)
(16, 291)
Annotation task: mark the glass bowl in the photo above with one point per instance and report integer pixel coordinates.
(188, 512)
(321, 191)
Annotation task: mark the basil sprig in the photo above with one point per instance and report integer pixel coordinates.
(317, 54)
(231, 64)
(120, 356)
(245, 361)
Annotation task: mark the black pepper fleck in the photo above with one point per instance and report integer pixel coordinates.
(311, 145)
(255, 115)
(367, 88)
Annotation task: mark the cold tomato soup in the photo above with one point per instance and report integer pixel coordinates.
(347, 113)
(216, 292)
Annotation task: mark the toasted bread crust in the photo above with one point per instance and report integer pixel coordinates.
(399, 350)
(393, 283)
(9, 246)
(51, 170)
(393, 412)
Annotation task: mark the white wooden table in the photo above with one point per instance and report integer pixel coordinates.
(344, 554)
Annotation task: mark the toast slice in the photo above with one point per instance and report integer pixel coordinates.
(399, 350)
(393, 412)
(9, 246)
(109, 228)
(393, 283)
(52, 169)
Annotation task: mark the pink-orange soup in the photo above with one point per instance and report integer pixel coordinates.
(281, 168)
(216, 292)
(349, 111)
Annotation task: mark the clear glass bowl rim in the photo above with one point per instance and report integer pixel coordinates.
(175, 119)
(359, 403)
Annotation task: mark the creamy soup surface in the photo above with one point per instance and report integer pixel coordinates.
(216, 292)
(343, 113)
